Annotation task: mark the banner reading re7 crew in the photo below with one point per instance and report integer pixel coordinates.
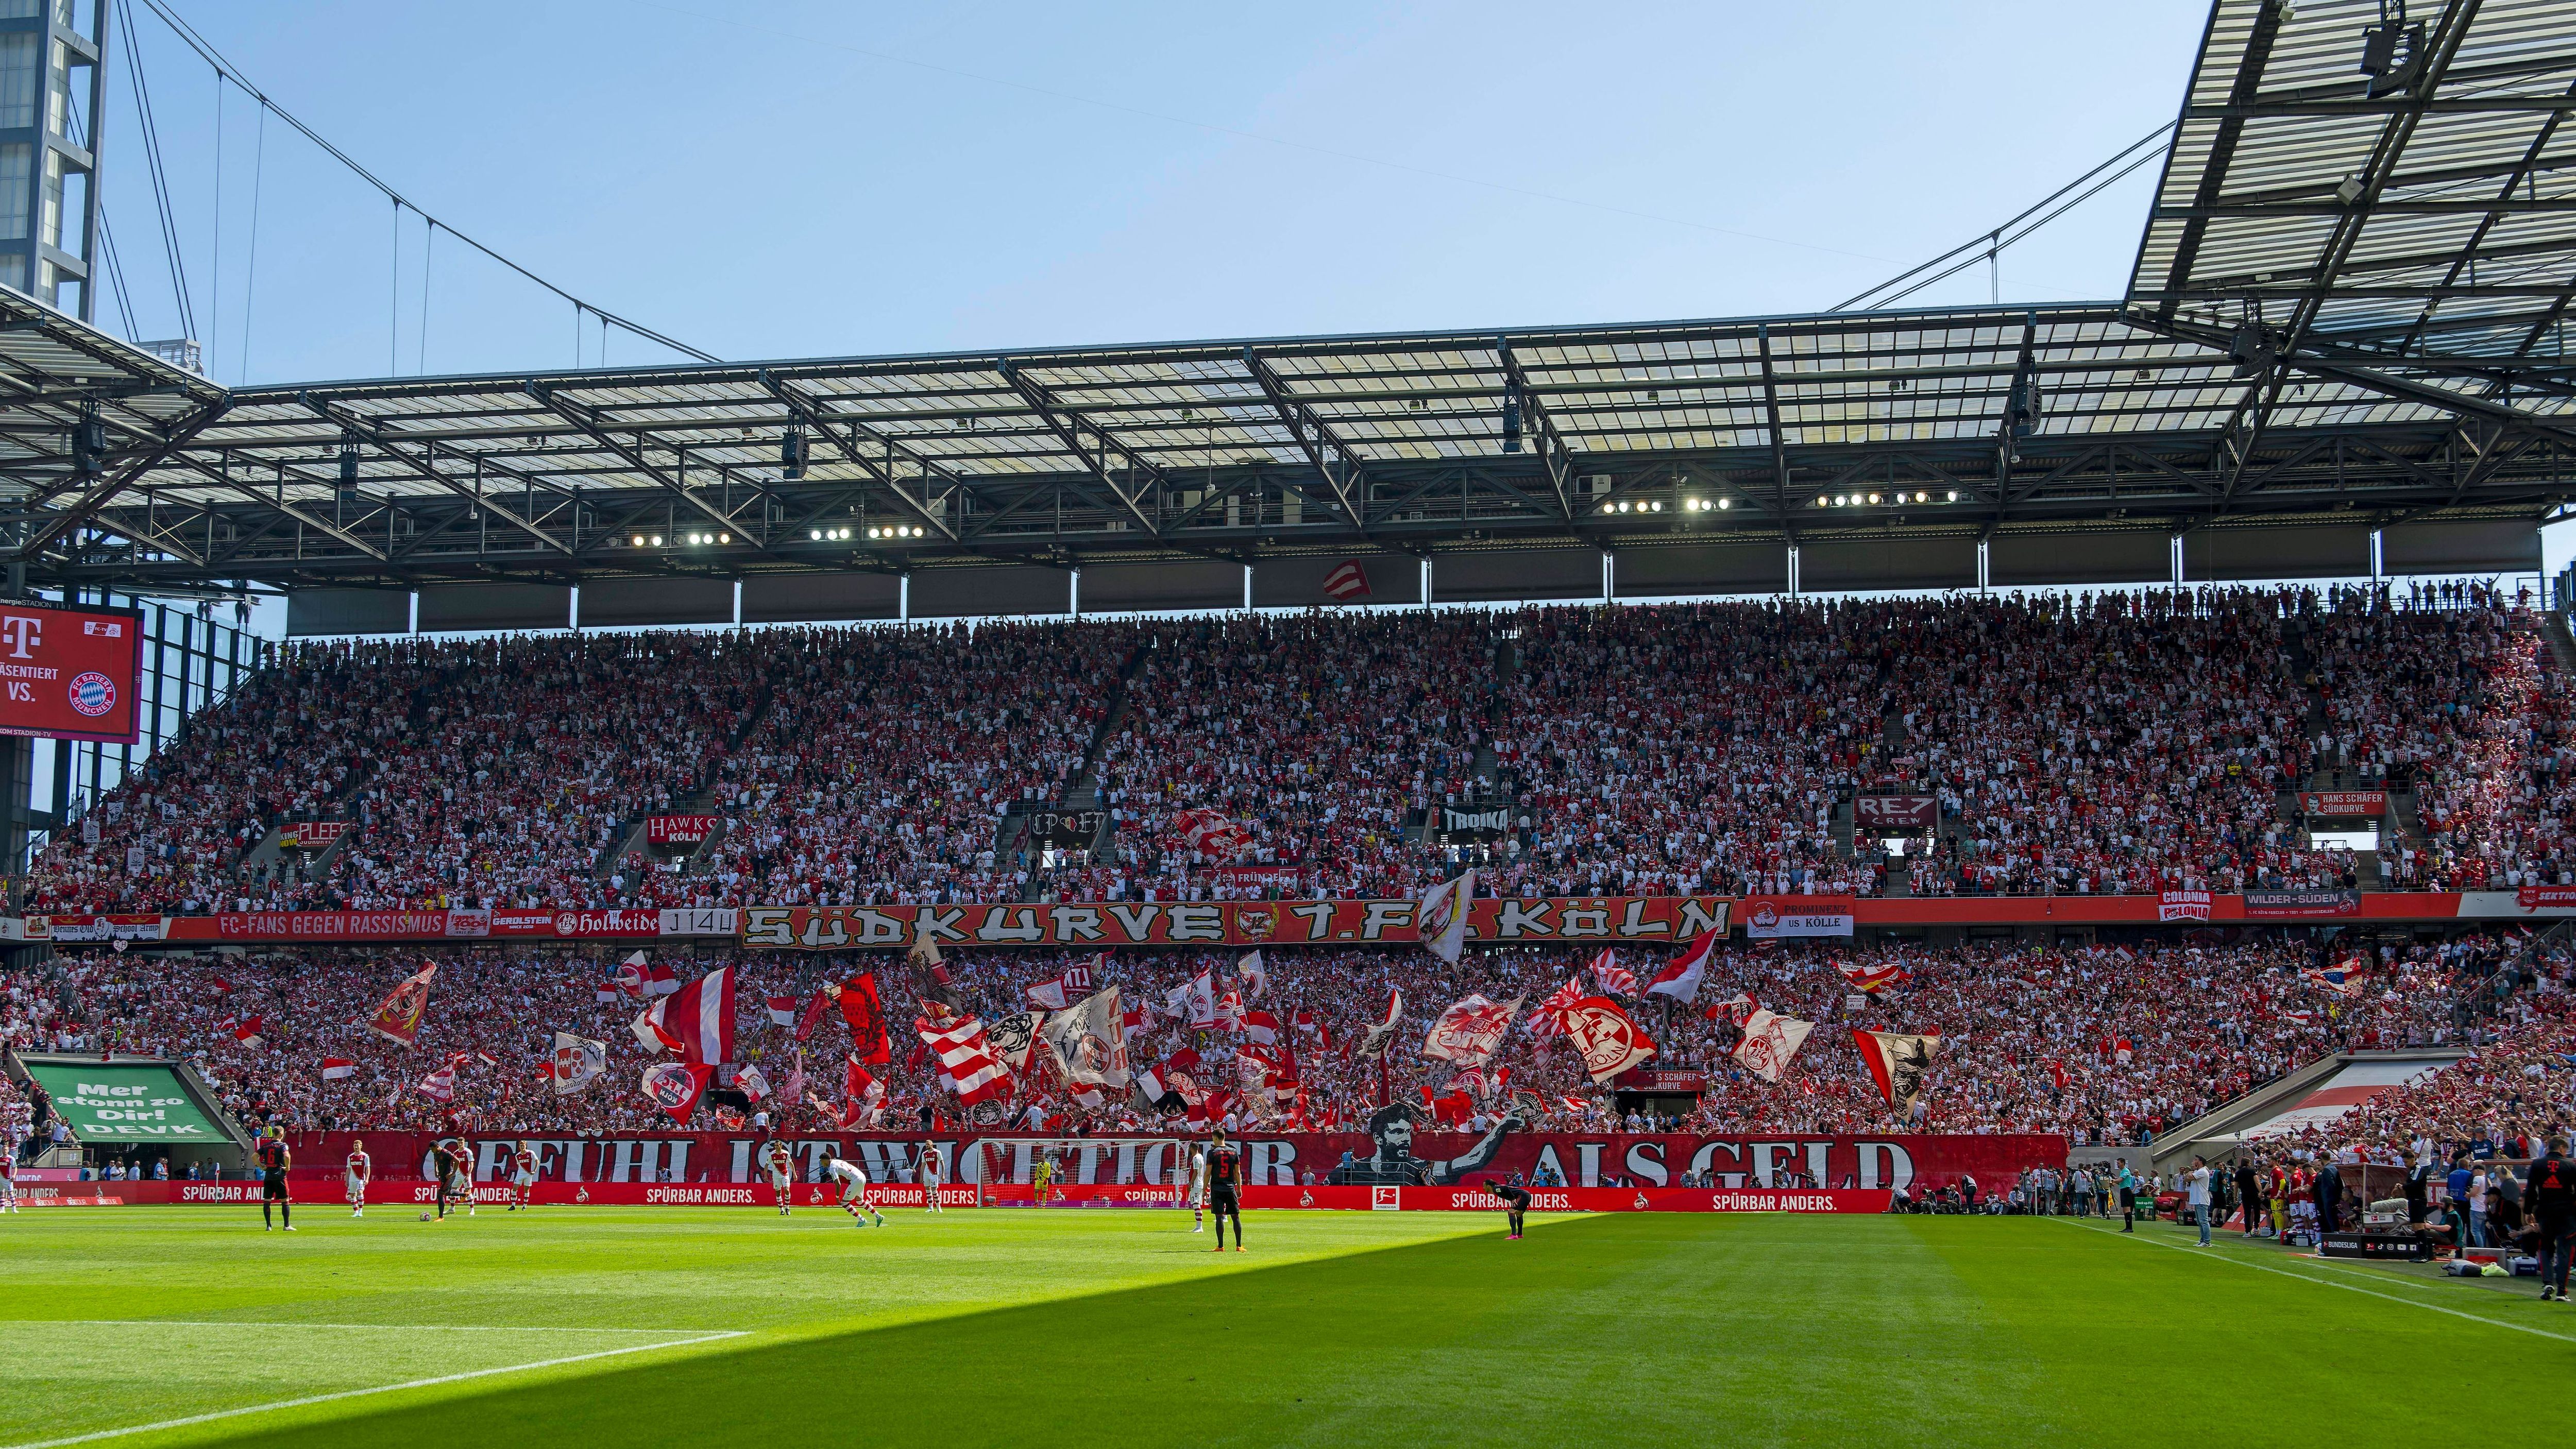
(1639, 919)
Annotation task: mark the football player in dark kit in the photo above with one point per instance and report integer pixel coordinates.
(274, 1159)
(1516, 1201)
(1225, 1183)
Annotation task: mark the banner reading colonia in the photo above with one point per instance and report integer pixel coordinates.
(123, 1101)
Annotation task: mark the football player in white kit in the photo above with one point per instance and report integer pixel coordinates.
(523, 1175)
(354, 1177)
(854, 1189)
(778, 1164)
(930, 1174)
(1195, 1188)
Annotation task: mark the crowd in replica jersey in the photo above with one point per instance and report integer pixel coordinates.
(2105, 743)
(2108, 1043)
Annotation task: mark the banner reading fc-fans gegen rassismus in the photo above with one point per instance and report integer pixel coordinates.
(1102, 924)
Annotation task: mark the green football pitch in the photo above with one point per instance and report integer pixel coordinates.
(607, 1326)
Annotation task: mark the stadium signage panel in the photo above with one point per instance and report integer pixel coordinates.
(1731, 1163)
(679, 829)
(1671, 1081)
(2544, 898)
(77, 930)
(1237, 923)
(70, 674)
(1896, 812)
(1769, 918)
(2343, 804)
(414, 1193)
(2292, 905)
(312, 834)
(124, 1101)
(322, 926)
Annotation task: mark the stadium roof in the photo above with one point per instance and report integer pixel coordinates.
(2346, 311)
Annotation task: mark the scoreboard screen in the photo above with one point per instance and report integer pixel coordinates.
(70, 673)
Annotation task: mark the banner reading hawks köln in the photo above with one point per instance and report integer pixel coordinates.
(1100, 925)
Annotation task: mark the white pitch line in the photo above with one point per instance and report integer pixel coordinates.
(285, 1323)
(362, 1393)
(2216, 1256)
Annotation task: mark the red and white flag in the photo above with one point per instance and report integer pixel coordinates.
(1260, 1026)
(578, 1061)
(397, 1018)
(862, 1097)
(1869, 978)
(1133, 1021)
(637, 976)
(245, 1032)
(1469, 1032)
(1608, 1041)
(751, 1082)
(696, 1022)
(1059, 992)
(220, 985)
(675, 1087)
(1899, 1063)
(1175, 1074)
(1256, 977)
(1612, 977)
(783, 1010)
(1738, 1008)
(1229, 1011)
(1770, 1041)
(1196, 1002)
(967, 1065)
(336, 1068)
(1548, 1018)
(1347, 581)
(1378, 1034)
(440, 1085)
(1682, 975)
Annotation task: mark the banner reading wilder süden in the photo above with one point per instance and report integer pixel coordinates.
(124, 1101)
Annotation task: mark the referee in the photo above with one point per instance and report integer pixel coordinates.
(1516, 1201)
(1224, 1180)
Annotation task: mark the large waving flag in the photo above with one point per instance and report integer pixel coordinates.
(863, 1011)
(1378, 1034)
(1770, 1040)
(1681, 976)
(696, 1021)
(1610, 976)
(1609, 1041)
(675, 1087)
(1058, 992)
(1441, 918)
(1900, 1064)
(578, 1061)
(967, 1065)
(1468, 1033)
(1870, 978)
(1547, 1019)
(398, 1018)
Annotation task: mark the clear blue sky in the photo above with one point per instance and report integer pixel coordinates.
(797, 179)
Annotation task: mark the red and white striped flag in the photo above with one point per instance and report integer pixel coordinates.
(1612, 976)
(245, 1032)
(1680, 977)
(967, 1065)
(783, 1010)
(335, 1068)
(1261, 1026)
(696, 1022)
(1870, 978)
(1548, 1020)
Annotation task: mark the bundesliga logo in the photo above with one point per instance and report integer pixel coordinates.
(93, 694)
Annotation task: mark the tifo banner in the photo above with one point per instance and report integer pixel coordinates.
(2344, 804)
(1896, 812)
(1401, 1158)
(1768, 918)
(123, 1101)
(678, 829)
(1239, 923)
(76, 930)
(2293, 905)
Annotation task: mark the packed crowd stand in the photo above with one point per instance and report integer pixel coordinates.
(2106, 1044)
(2102, 743)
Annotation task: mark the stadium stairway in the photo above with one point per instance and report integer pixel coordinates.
(2216, 1132)
(1081, 788)
(700, 799)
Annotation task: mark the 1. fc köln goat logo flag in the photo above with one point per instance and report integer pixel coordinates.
(1609, 1042)
(1898, 1063)
(398, 1019)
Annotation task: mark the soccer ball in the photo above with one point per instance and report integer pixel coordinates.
(424, 1217)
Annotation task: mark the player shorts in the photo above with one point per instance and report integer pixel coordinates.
(1223, 1200)
(353, 1190)
(523, 1179)
(272, 1187)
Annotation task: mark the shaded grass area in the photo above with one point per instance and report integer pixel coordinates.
(1111, 1327)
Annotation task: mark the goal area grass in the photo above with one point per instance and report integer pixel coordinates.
(1080, 1326)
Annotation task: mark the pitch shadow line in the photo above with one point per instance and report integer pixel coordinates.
(2220, 1257)
(308, 1399)
(284, 1323)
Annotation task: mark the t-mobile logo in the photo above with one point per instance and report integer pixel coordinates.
(22, 632)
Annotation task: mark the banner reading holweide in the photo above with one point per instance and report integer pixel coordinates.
(124, 1102)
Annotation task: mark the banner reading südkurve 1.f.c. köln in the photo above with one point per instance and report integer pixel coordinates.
(1641, 919)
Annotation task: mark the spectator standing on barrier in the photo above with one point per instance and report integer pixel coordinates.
(2196, 1193)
